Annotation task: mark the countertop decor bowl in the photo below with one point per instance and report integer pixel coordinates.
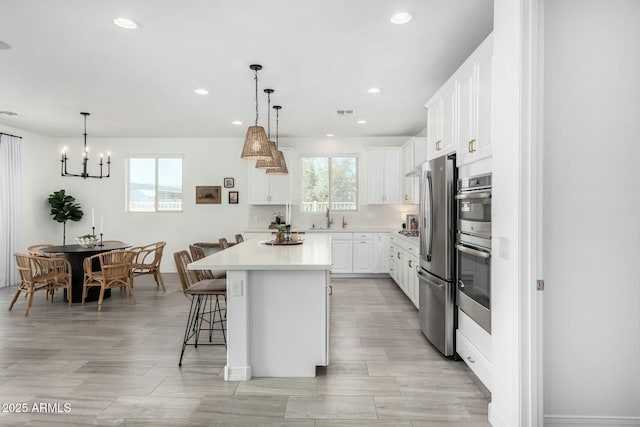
(87, 241)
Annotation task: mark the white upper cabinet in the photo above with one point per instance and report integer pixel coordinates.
(441, 124)
(384, 176)
(266, 189)
(474, 106)
(459, 114)
(414, 153)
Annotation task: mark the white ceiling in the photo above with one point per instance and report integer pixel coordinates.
(318, 55)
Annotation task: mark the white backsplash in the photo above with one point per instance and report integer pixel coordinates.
(391, 216)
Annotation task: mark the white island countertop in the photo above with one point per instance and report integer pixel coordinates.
(313, 254)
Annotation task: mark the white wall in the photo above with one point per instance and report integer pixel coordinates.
(592, 212)
(505, 269)
(207, 161)
(367, 215)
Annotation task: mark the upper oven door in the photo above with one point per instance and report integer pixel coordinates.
(474, 212)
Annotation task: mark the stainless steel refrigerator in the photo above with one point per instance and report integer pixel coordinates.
(437, 241)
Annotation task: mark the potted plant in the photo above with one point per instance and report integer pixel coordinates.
(63, 209)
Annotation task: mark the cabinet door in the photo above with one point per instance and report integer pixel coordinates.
(448, 144)
(412, 275)
(407, 157)
(342, 256)
(385, 183)
(466, 112)
(393, 177)
(381, 253)
(420, 151)
(411, 191)
(362, 256)
(483, 132)
(434, 126)
(280, 185)
(376, 176)
(259, 183)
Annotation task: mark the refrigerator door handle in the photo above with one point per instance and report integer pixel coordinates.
(429, 281)
(430, 237)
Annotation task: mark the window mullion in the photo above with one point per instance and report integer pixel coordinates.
(156, 184)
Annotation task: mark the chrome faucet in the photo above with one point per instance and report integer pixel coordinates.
(344, 222)
(329, 219)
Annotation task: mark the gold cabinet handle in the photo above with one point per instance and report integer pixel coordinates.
(330, 290)
(472, 148)
(410, 264)
(438, 145)
(470, 360)
(398, 255)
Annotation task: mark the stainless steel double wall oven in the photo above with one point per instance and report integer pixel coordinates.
(473, 248)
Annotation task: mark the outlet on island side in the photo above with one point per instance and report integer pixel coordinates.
(236, 288)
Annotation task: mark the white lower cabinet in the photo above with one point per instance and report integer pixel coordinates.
(473, 345)
(380, 253)
(342, 252)
(363, 252)
(403, 264)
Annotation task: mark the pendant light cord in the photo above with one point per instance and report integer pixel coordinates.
(256, 79)
(268, 116)
(277, 125)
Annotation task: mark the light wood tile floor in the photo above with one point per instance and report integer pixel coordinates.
(120, 367)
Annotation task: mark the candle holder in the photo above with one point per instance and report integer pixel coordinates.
(101, 244)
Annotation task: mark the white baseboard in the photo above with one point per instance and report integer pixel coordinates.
(495, 419)
(240, 373)
(591, 421)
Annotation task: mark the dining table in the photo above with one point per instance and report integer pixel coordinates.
(76, 254)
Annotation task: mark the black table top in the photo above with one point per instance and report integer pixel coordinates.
(78, 249)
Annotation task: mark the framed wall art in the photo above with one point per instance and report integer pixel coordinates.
(233, 197)
(229, 183)
(208, 195)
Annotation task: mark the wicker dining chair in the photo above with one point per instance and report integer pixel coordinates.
(239, 238)
(147, 261)
(35, 250)
(41, 273)
(115, 272)
(197, 252)
(224, 244)
(201, 292)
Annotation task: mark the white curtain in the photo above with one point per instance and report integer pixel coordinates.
(10, 212)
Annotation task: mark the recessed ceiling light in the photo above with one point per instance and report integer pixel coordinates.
(201, 91)
(361, 122)
(126, 23)
(401, 18)
(374, 90)
(4, 46)
(236, 122)
(330, 135)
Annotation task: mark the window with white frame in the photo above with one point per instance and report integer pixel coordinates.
(329, 183)
(154, 184)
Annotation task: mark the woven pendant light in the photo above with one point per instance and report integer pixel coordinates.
(256, 145)
(281, 168)
(272, 161)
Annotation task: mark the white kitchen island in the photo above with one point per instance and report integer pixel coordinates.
(277, 307)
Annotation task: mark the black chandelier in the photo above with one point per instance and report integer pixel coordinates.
(85, 159)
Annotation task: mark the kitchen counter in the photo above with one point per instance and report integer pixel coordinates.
(277, 307)
(329, 230)
(313, 254)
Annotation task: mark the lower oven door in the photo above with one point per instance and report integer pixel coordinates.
(474, 283)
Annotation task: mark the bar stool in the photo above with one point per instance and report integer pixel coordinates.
(201, 292)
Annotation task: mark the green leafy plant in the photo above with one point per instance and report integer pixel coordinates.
(63, 209)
